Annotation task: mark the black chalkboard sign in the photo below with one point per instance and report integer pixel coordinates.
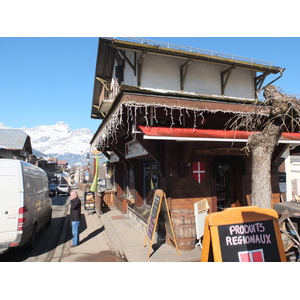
(154, 215)
(244, 234)
(249, 242)
(159, 205)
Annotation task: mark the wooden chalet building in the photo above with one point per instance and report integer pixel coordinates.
(15, 143)
(164, 112)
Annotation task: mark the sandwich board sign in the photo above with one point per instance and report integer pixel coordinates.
(243, 234)
(159, 206)
(89, 201)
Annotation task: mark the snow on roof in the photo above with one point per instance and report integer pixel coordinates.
(12, 139)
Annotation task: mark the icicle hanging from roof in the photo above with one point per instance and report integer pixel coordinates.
(111, 125)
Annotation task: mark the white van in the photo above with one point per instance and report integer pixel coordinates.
(25, 205)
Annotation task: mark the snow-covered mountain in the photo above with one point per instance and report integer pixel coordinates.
(60, 140)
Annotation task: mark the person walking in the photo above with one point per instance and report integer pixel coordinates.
(75, 214)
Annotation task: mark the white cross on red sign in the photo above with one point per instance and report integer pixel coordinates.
(252, 256)
(199, 171)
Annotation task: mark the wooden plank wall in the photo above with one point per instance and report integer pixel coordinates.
(108, 199)
(188, 203)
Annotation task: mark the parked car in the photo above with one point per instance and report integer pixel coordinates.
(25, 205)
(63, 188)
(52, 189)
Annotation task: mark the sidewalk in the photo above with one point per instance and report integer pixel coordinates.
(111, 233)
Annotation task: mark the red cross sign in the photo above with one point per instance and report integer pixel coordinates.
(199, 171)
(252, 256)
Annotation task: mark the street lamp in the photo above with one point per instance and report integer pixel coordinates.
(87, 178)
(87, 159)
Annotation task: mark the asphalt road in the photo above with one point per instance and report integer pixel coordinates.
(47, 238)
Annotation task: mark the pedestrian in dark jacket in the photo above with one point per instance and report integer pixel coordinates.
(75, 214)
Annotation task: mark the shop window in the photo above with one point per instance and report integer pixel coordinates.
(109, 180)
(150, 181)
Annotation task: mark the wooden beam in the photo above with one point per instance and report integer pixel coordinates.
(133, 66)
(149, 147)
(224, 78)
(117, 55)
(104, 82)
(140, 67)
(183, 73)
(120, 153)
(107, 155)
(259, 80)
(279, 150)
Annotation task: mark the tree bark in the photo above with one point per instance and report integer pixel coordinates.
(262, 146)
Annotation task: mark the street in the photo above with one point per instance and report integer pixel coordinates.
(47, 237)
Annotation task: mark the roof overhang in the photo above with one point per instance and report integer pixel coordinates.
(129, 101)
(161, 48)
(104, 70)
(208, 135)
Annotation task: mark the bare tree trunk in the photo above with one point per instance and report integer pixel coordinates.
(284, 114)
(261, 146)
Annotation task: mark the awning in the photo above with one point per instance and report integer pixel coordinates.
(206, 135)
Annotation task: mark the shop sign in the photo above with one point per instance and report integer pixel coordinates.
(159, 207)
(134, 149)
(89, 201)
(199, 171)
(243, 234)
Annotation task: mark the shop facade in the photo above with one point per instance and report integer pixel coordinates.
(166, 123)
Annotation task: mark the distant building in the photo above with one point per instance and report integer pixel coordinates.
(49, 166)
(33, 159)
(15, 143)
(62, 165)
(53, 159)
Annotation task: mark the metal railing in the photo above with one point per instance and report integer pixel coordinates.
(194, 50)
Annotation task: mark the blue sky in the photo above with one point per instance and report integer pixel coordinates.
(47, 80)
